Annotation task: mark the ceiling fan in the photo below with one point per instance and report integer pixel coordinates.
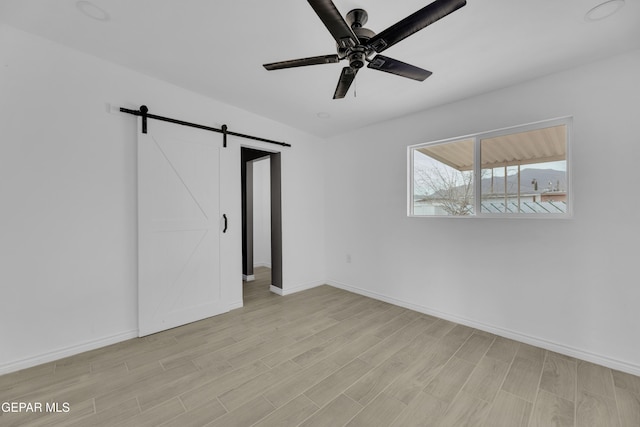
(358, 44)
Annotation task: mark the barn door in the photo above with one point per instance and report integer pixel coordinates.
(179, 227)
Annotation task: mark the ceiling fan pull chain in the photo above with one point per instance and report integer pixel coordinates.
(355, 89)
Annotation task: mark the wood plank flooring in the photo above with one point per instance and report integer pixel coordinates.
(323, 357)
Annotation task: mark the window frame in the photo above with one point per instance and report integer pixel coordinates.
(477, 170)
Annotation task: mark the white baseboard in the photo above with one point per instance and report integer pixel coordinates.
(262, 264)
(294, 289)
(276, 290)
(507, 333)
(236, 305)
(248, 278)
(65, 352)
(304, 287)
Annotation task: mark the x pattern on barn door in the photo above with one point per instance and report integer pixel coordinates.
(179, 227)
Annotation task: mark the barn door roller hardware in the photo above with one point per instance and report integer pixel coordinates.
(144, 113)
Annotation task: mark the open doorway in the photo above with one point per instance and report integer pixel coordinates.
(261, 222)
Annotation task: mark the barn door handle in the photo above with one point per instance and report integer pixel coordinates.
(224, 230)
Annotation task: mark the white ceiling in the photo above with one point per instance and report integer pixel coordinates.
(217, 48)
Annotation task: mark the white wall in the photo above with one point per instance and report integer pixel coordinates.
(486, 272)
(68, 255)
(262, 213)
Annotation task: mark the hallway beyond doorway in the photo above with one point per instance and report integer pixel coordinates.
(258, 289)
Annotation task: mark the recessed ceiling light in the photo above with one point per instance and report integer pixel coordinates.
(92, 11)
(323, 115)
(603, 10)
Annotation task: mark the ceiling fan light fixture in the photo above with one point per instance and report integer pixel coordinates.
(604, 10)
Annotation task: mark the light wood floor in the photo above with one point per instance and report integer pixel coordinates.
(323, 357)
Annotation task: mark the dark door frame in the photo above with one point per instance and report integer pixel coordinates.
(248, 156)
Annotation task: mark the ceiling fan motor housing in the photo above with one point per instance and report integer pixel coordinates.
(358, 54)
(363, 34)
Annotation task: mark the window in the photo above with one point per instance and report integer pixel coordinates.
(521, 172)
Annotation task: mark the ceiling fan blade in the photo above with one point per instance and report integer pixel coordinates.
(302, 62)
(414, 23)
(399, 68)
(335, 23)
(346, 78)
